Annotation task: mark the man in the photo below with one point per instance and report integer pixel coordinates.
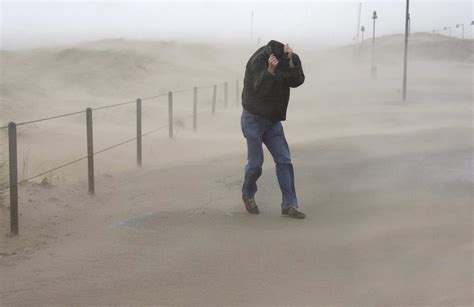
(269, 74)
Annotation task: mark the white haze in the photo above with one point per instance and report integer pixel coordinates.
(316, 23)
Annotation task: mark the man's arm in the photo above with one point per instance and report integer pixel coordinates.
(264, 75)
(295, 74)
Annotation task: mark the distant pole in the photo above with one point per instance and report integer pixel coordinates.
(362, 30)
(373, 69)
(13, 165)
(409, 25)
(90, 151)
(472, 24)
(258, 42)
(214, 94)
(170, 114)
(139, 132)
(461, 25)
(405, 61)
(225, 94)
(448, 29)
(358, 20)
(251, 27)
(195, 109)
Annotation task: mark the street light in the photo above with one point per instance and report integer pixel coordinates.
(461, 25)
(409, 25)
(405, 61)
(362, 30)
(373, 69)
(446, 29)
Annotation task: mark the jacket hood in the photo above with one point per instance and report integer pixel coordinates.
(277, 48)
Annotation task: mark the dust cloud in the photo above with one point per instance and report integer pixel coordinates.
(386, 183)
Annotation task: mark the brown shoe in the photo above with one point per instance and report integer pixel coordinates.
(250, 205)
(293, 212)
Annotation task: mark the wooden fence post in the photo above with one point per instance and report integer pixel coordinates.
(90, 151)
(225, 94)
(195, 109)
(139, 132)
(13, 160)
(214, 93)
(170, 113)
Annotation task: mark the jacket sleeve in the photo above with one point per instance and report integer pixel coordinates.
(295, 74)
(263, 81)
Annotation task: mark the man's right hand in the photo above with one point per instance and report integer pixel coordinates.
(272, 64)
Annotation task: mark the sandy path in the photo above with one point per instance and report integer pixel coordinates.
(384, 227)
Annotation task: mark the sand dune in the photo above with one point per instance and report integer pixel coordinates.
(386, 184)
(422, 46)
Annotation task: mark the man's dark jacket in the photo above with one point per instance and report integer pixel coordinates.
(266, 94)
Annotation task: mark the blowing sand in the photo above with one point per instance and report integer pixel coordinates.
(386, 185)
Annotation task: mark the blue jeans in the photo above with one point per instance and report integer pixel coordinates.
(258, 130)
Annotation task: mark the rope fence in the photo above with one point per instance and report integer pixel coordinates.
(12, 140)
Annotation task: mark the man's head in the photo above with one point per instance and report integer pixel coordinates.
(277, 48)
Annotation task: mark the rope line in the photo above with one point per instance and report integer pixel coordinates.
(104, 149)
(183, 90)
(113, 105)
(83, 158)
(154, 130)
(110, 106)
(206, 86)
(156, 96)
(44, 173)
(49, 118)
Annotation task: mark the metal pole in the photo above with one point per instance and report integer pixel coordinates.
(237, 92)
(409, 25)
(214, 96)
(225, 94)
(195, 109)
(405, 61)
(170, 113)
(358, 21)
(139, 132)
(90, 151)
(251, 27)
(13, 159)
(373, 71)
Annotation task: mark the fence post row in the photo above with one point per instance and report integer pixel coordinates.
(237, 100)
(225, 94)
(90, 151)
(195, 109)
(214, 93)
(13, 165)
(170, 113)
(13, 154)
(139, 132)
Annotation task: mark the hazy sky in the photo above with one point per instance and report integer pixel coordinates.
(40, 23)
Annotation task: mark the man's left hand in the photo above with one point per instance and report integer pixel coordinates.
(287, 50)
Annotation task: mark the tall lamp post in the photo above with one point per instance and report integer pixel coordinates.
(405, 61)
(446, 29)
(373, 69)
(362, 30)
(409, 25)
(461, 25)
